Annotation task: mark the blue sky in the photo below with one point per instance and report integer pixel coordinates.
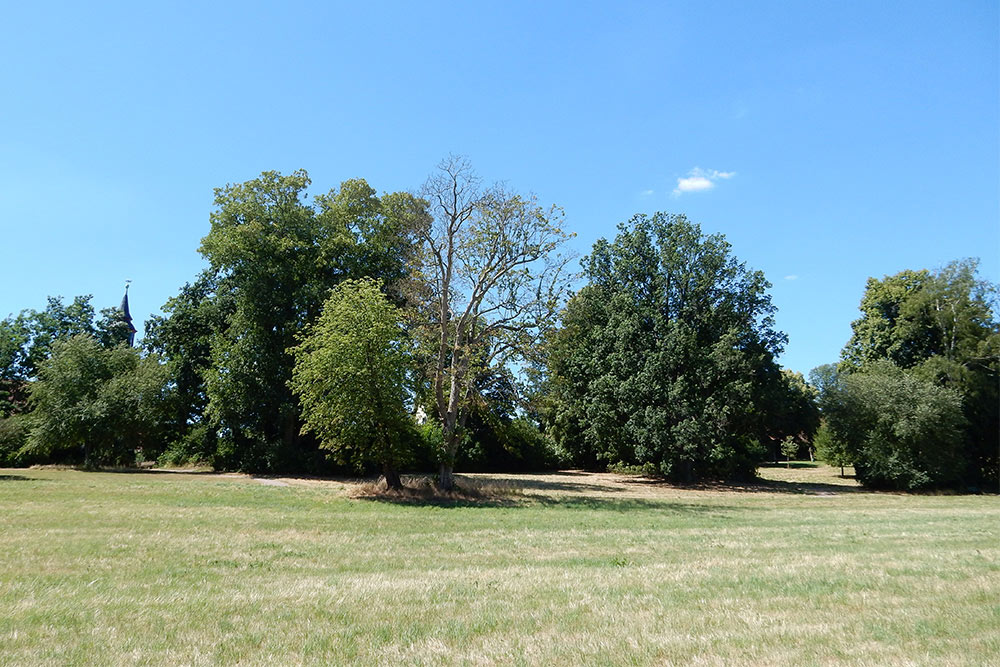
(829, 142)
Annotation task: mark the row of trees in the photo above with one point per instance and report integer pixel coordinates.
(438, 329)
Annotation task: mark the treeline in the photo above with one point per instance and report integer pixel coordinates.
(353, 331)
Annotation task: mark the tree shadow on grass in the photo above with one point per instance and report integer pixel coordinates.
(17, 478)
(759, 486)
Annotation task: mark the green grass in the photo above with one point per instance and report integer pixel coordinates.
(161, 568)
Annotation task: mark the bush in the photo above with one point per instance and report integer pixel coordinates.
(900, 431)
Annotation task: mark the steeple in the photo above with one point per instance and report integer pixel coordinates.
(126, 316)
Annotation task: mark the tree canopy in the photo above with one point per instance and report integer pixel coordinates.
(666, 353)
(351, 376)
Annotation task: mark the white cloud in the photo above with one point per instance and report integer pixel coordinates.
(646, 193)
(699, 180)
(693, 184)
(791, 277)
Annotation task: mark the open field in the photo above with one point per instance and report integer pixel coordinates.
(569, 568)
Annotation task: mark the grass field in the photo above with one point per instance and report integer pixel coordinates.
(570, 568)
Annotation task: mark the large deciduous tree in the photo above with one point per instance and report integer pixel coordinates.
(666, 356)
(275, 257)
(351, 376)
(491, 276)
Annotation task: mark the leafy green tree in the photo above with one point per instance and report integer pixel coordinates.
(490, 280)
(14, 337)
(275, 257)
(666, 356)
(183, 339)
(791, 411)
(789, 447)
(350, 375)
(829, 449)
(56, 322)
(900, 431)
(96, 405)
(941, 327)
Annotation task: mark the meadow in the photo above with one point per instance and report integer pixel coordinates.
(558, 569)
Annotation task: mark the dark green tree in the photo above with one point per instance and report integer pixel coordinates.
(666, 356)
(182, 337)
(900, 431)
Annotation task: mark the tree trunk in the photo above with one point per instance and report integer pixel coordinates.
(446, 479)
(392, 480)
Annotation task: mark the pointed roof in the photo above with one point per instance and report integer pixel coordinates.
(127, 317)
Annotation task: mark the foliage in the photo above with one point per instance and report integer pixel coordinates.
(666, 356)
(941, 327)
(13, 379)
(183, 339)
(13, 437)
(275, 257)
(490, 279)
(350, 375)
(96, 405)
(790, 411)
(829, 449)
(900, 432)
(789, 447)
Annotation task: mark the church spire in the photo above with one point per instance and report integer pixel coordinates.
(126, 316)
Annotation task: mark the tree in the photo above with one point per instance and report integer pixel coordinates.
(350, 375)
(941, 327)
(14, 337)
(183, 339)
(789, 447)
(96, 405)
(490, 279)
(666, 356)
(791, 412)
(275, 256)
(900, 431)
(830, 450)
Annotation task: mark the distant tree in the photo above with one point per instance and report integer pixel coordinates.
(789, 447)
(791, 412)
(666, 356)
(830, 450)
(490, 280)
(95, 405)
(56, 322)
(350, 375)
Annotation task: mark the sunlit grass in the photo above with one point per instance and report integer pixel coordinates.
(160, 568)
